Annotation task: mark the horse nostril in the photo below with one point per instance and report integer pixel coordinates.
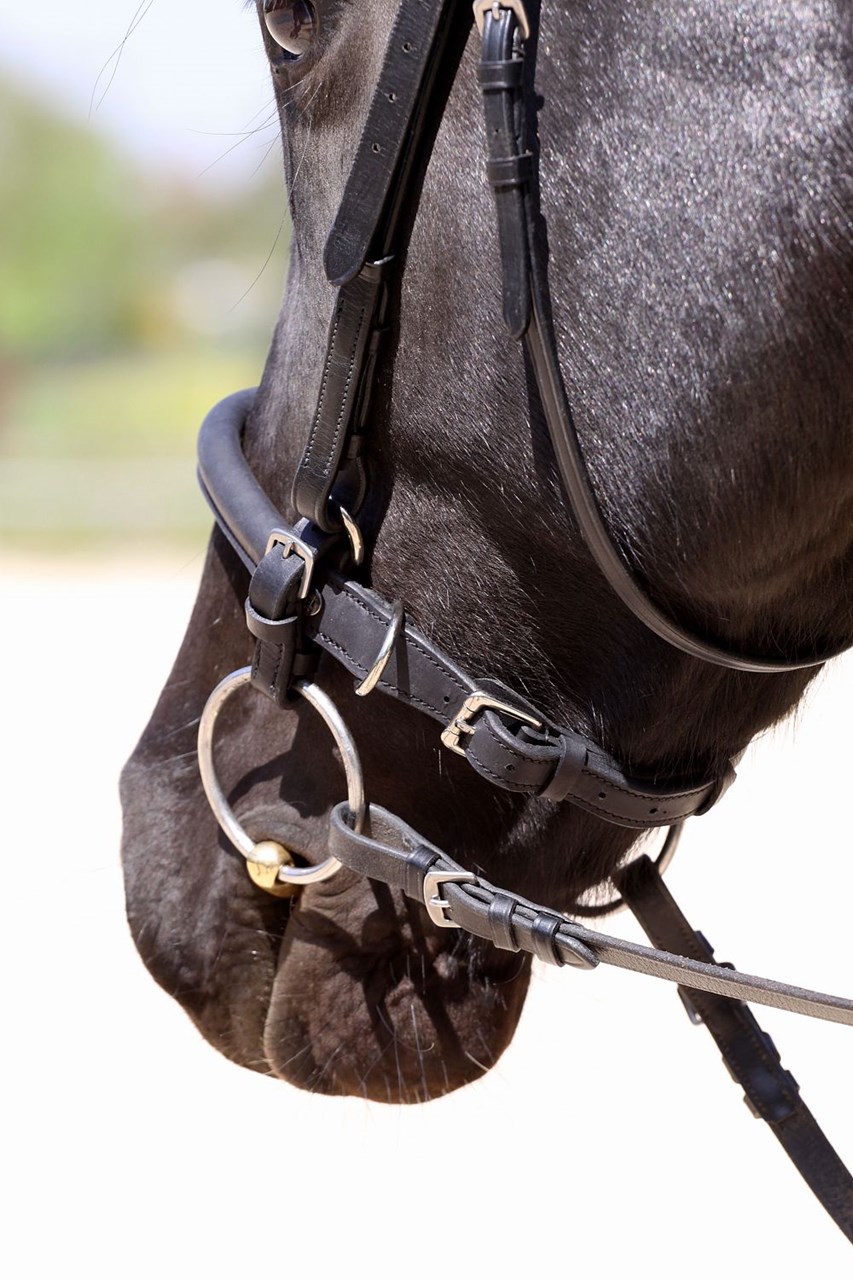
(292, 24)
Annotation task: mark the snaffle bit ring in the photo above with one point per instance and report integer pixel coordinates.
(269, 862)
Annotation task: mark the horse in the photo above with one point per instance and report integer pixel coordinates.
(695, 223)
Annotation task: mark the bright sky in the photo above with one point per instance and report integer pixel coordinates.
(191, 78)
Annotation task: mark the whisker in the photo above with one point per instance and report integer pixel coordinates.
(115, 57)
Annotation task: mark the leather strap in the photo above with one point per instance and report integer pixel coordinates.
(554, 762)
(351, 624)
(360, 249)
(519, 220)
(373, 196)
(355, 334)
(382, 851)
(771, 1092)
(509, 167)
(239, 505)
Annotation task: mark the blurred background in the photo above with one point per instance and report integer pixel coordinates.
(142, 260)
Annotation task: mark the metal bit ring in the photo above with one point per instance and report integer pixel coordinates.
(258, 852)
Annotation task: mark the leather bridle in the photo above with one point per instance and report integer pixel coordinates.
(305, 597)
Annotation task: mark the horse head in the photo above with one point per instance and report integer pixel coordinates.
(691, 214)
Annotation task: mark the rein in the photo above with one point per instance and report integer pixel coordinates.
(305, 598)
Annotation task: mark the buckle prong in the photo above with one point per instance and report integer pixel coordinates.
(291, 545)
(474, 703)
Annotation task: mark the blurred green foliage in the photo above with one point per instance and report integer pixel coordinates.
(67, 265)
(129, 303)
(140, 404)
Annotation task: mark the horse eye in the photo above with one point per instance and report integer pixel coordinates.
(292, 24)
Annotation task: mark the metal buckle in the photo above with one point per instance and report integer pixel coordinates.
(474, 703)
(436, 905)
(290, 545)
(482, 7)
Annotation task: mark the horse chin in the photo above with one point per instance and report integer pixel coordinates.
(369, 1001)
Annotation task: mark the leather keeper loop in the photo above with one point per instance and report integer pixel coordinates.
(274, 631)
(510, 171)
(543, 932)
(418, 864)
(724, 781)
(500, 75)
(500, 923)
(573, 758)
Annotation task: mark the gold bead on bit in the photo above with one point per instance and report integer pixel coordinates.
(267, 857)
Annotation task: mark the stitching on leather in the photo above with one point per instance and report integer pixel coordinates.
(321, 635)
(277, 669)
(323, 383)
(642, 795)
(405, 697)
(523, 788)
(332, 452)
(412, 640)
(416, 644)
(621, 819)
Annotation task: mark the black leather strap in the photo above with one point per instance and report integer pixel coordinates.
(273, 620)
(355, 333)
(351, 623)
(239, 505)
(750, 1055)
(360, 248)
(517, 208)
(404, 93)
(509, 167)
(554, 762)
(382, 850)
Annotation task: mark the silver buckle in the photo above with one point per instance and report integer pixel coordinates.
(292, 545)
(482, 7)
(436, 905)
(474, 703)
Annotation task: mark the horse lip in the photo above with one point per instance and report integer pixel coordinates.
(369, 1000)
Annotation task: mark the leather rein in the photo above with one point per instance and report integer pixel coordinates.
(305, 597)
